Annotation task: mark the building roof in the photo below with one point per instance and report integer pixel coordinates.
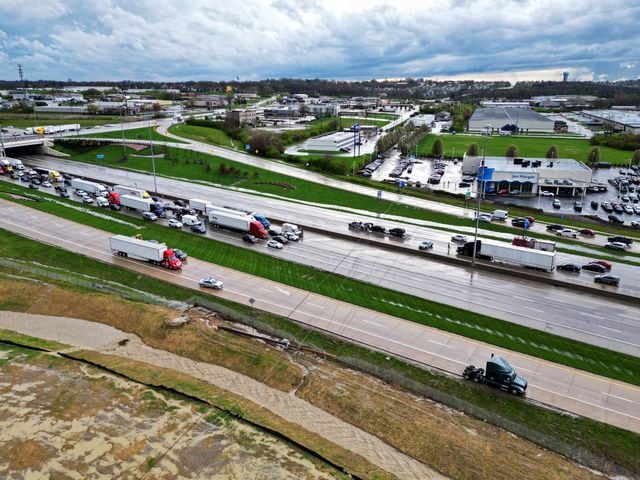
(508, 164)
(499, 116)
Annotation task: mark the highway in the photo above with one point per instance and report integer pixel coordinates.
(594, 319)
(562, 387)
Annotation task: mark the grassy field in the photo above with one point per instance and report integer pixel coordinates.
(617, 445)
(133, 134)
(213, 136)
(497, 145)
(466, 323)
(24, 120)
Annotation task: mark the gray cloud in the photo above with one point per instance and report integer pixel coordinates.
(199, 39)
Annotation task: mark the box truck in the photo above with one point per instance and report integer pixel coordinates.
(91, 188)
(156, 253)
(502, 252)
(136, 203)
(238, 221)
(198, 205)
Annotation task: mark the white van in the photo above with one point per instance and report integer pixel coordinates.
(500, 215)
(190, 220)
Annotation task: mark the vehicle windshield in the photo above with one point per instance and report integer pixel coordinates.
(172, 258)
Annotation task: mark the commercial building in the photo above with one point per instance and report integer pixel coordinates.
(529, 176)
(620, 120)
(245, 116)
(501, 118)
(332, 142)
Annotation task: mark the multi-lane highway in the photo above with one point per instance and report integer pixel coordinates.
(594, 319)
(572, 390)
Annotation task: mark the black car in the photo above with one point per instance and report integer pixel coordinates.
(60, 188)
(594, 204)
(614, 219)
(179, 203)
(34, 186)
(621, 239)
(356, 226)
(65, 194)
(249, 238)
(518, 222)
(182, 255)
(116, 207)
(397, 232)
(198, 229)
(555, 227)
(280, 239)
(607, 279)
(594, 267)
(569, 267)
(378, 229)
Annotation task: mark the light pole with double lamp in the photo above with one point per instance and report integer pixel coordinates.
(480, 179)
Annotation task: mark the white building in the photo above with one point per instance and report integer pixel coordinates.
(422, 120)
(332, 142)
(564, 176)
(524, 119)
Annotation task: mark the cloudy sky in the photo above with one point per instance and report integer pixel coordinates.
(177, 40)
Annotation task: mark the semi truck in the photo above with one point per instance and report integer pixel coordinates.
(258, 216)
(499, 374)
(137, 203)
(126, 190)
(92, 188)
(502, 252)
(544, 245)
(156, 253)
(238, 221)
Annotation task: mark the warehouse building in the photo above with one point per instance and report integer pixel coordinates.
(520, 120)
(332, 142)
(530, 176)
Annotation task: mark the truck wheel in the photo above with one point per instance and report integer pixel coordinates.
(466, 376)
(476, 378)
(515, 392)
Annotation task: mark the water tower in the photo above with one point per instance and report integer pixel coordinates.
(565, 76)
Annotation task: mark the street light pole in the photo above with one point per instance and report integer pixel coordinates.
(153, 162)
(479, 193)
(124, 150)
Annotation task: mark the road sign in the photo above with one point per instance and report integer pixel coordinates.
(379, 194)
(247, 147)
(526, 223)
(100, 157)
(401, 183)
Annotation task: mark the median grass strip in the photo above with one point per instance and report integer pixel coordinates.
(234, 406)
(9, 336)
(469, 324)
(565, 434)
(143, 133)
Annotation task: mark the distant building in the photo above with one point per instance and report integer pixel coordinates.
(501, 118)
(422, 120)
(243, 116)
(209, 102)
(620, 120)
(324, 109)
(332, 142)
(562, 176)
(281, 112)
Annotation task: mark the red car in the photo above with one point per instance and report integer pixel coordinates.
(587, 232)
(504, 191)
(604, 263)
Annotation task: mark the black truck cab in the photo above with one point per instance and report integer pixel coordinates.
(499, 373)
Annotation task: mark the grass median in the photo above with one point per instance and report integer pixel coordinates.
(557, 349)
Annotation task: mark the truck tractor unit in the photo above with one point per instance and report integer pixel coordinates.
(238, 221)
(498, 374)
(155, 253)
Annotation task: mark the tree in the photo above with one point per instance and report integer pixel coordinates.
(511, 152)
(552, 152)
(473, 150)
(594, 157)
(635, 158)
(437, 149)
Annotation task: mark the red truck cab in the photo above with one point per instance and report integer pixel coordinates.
(170, 260)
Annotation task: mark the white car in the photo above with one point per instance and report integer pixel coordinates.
(173, 223)
(291, 236)
(274, 244)
(426, 245)
(87, 199)
(567, 232)
(485, 217)
(459, 239)
(211, 282)
(547, 193)
(46, 184)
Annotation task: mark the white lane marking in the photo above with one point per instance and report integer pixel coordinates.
(372, 323)
(265, 289)
(615, 396)
(591, 315)
(533, 309)
(521, 298)
(607, 328)
(283, 291)
(443, 344)
(629, 317)
(314, 305)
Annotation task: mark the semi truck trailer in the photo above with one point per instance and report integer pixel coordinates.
(544, 245)
(237, 221)
(131, 191)
(502, 252)
(201, 206)
(155, 253)
(92, 188)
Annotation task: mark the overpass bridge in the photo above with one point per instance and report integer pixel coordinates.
(11, 142)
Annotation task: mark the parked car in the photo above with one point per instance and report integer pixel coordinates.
(547, 193)
(426, 245)
(620, 238)
(152, 217)
(198, 229)
(607, 279)
(556, 204)
(616, 246)
(459, 239)
(211, 282)
(587, 232)
(173, 223)
(615, 219)
(594, 267)
(249, 238)
(569, 267)
(274, 244)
